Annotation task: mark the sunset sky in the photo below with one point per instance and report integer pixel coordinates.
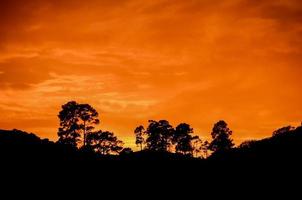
(193, 61)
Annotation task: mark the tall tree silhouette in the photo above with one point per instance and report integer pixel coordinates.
(104, 143)
(139, 136)
(221, 135)
(183, 139)
(69, 130)
(89, 118)
(75, 120)
(159, 135)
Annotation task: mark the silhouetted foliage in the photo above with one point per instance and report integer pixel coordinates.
(283, 130)
(197, 146)
(205, 149)
(139, 136)
(89, 118)
(69, 131)
(160, 138)
(283, 147)
(221, 136)
(104, 143)
(18, 145)
(200, 148)
(159, 135)
(76, 120)
(183, 139)
(247, 144)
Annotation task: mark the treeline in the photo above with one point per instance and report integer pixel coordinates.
(79, 139)
(78, 129)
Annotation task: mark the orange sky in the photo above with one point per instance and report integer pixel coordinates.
(194, 61)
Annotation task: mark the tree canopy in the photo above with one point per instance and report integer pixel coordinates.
(183, 139)
(104, 142)
(76, 120)
(160, 135)
(221, 136)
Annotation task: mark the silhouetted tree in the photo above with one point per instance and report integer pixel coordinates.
(89, 118)
(69, 130)
(159, 135)
(104, 143)
(200, 148)
(75, 120)
(221, 135)
(183, 139)
(205, 147)
(139, 136)
(197, 146)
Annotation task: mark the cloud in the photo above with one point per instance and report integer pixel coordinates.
(137, 60)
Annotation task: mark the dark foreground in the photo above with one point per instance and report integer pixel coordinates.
(274, 161)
